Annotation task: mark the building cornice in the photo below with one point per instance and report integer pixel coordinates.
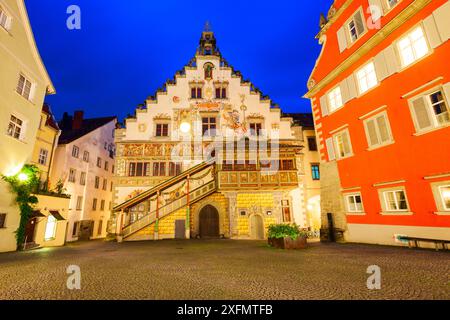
(375, 40)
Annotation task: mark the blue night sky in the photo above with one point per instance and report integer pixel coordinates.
(128, 49)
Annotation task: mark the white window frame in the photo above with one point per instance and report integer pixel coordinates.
(348, 29)
(416, 58)
(335, 100)
(384, 201)
(431, 114)
(7, 19)
(377, 129)
(444, 205)
(366, 78)
(437, 188)
(354, 210)
(337, 149)
(16, 125)
(21, 90)
(43, 156)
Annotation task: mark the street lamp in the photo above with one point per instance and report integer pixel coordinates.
(185, 127)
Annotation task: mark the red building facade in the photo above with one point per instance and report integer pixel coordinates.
(380, 94)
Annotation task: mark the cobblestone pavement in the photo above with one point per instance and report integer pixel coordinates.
(223, 269)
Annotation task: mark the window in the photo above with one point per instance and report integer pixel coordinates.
(444, 192)
(15, 127)
(105, 184)
(94, 204)
(413, 46)
(43, 155)
(24, 87)
(2, 220)
(111, 186)
(159, 169)
(86, 156)
(378, 130)
(79, 203)
(97, 182)
(83, 179)
(430, 111)
(112, 169)
(209, 126)
(391, 3)
(99, 162)
(196, 93)
(315, 170)
(174, 169)
(72, 175)
(255, 128)
(356, 26)
(221, 92)
(286, 209)
(5, 21)
(354, 202)
(367, 78)
(139, 169)
(312, 144)
(395, 200)
(335, 99)
(162, 130)
(75, 229)
(287, 165)
(102, 205)
(106, 165)
(100, 227)
(342, 144)
(50, 228)
(75, 151)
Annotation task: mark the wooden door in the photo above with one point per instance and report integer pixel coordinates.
(209, 222)
(29, 230)
(180, 229)
(257, 227)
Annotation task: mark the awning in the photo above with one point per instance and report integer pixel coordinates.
(57, 215)
(37, 214)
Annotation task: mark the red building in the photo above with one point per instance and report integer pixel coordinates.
(380, 94)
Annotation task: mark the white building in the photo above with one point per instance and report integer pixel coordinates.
(84, 163)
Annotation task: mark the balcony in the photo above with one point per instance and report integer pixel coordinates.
(260, 180)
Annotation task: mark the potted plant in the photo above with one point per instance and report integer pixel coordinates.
(285, 236)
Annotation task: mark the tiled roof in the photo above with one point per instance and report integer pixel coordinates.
(68, 134)
(51, 122)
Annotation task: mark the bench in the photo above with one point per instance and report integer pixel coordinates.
(415, 241)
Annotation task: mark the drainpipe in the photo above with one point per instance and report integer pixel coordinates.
(188, 209)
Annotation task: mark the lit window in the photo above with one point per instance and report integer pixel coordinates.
(413, 46)
(335, 99)
(395, 200)
(354, 202)
(24, 87)
(209, 126)
(342, 144)
(378, 131)
(50, 228)
(43, 155)
(430, 111)
(315, 170)
(162, 130)
(75, 151)
(367, 77)
(356, 26)
(444, 191)
(15, 127)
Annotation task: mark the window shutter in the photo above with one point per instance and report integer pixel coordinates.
(383, 128)
(351, 84)
(372, 133)
(441, 16)
(330, 149)
(359, 21)
(447, 93)
(381, 67)
(376, 7)
(324, 105)
(344, 91)
(342, 39)
(432, 32)
(421, 115)
(391, 60)
(346, 142)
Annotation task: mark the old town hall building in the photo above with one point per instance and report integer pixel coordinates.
(208, 156)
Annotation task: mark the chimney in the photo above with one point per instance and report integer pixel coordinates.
(77, 120)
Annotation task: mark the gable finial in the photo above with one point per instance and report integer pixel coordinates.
(207, 27)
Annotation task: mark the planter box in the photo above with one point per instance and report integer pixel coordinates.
(288, 243)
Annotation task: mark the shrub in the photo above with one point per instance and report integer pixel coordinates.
(279, 231)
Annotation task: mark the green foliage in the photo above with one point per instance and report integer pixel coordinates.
(279, 231)
(25, 199)
(59, 188)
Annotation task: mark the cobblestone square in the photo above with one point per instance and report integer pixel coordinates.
(223, 269)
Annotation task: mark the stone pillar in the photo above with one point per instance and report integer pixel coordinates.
(232, 215)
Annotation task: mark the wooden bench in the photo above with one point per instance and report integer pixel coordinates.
(415, 241)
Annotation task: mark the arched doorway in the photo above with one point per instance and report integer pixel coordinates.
(209, 222)
(257, 227)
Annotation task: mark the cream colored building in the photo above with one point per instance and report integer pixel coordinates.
(209, 155)
(84, 163)
(24, 84)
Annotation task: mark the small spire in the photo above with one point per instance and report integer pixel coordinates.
(207, 27)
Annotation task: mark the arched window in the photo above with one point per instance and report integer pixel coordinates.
(209, 67)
